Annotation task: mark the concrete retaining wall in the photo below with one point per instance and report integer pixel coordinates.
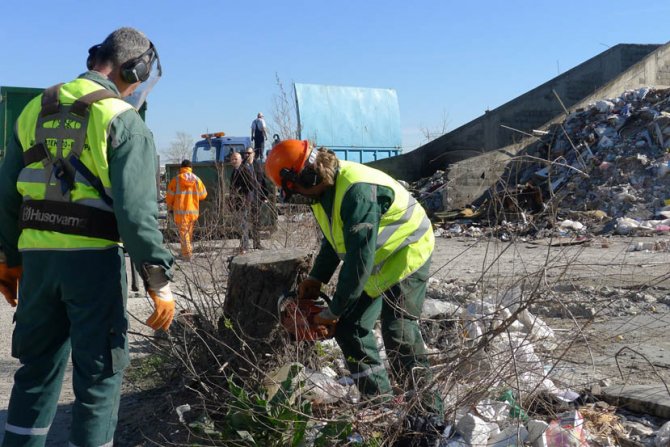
(622, 67)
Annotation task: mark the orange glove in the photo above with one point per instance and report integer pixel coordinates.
(9, 283)
(164, 308)
(309, 289)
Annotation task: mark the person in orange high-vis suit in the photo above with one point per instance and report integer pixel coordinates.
(184, 194)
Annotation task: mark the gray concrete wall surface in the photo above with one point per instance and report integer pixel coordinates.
(622, 67)
(470, 178)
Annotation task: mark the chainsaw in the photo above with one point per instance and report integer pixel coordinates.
(297, 317)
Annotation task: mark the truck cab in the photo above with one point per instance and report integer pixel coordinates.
(218, 147)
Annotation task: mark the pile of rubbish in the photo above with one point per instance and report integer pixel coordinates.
(612, 157)
(502, 395)
(603, 170)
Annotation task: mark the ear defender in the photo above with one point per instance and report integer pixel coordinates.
(288, 175)
(308, 177)
(288, 178)
(138, 68)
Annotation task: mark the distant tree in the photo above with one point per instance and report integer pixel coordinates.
(180, 148)
(430, 134)
(284, 113)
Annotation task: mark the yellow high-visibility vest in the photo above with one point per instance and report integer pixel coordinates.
(405, 239)
(34, 177)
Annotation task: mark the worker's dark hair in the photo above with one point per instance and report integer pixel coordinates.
(119, 47)
(186, 164)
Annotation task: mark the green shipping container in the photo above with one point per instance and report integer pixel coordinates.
(12, 102)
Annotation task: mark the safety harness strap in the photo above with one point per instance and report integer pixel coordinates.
(71, 123)
(81, 105)
(50, 106)
(36, 153)
(50, 102)
(92, 179)
(66, 126)
(69, 218)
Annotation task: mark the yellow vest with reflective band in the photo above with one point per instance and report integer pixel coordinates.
(405, 238)
(31, 181)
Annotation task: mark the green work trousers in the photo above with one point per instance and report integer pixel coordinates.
(69, 301)
(399, 309)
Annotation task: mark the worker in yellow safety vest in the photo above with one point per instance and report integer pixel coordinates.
(184, 193)
(384, 240)
(77, 179)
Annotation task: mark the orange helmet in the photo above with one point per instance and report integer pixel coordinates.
(290, 155)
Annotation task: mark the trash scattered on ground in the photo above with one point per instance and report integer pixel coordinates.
(316, 386)
(604, 170)
(181, 410)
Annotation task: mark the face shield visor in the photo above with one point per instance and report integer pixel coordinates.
(139, 96)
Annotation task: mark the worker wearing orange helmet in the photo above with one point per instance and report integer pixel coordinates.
(184, 193)
(384, 239)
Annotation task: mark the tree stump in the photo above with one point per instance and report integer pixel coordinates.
(255, 283)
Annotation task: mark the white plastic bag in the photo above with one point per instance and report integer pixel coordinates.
(537, 433)
(475, 431)
(512, 436)
(316, 386)
(663, 436)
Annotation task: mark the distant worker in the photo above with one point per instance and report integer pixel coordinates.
(259, 134)
(237, 201)
(184, 194)
(78, 178)
(245, 188)
(259, 194)
(385, 241)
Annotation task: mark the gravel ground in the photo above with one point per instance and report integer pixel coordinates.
(582, 270)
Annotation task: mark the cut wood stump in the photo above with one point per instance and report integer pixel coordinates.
(255, 283)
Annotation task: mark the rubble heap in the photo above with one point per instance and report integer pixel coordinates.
(611, 157)
(603, 169)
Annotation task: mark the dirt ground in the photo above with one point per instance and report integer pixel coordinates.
(622, 309)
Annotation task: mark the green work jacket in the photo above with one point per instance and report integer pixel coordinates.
(119, 151)
(401, 232)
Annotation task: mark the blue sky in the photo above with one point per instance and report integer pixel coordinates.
(448, 61)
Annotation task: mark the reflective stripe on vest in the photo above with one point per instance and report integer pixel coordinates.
(31, 182)
(405, 238)
(39, 176)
